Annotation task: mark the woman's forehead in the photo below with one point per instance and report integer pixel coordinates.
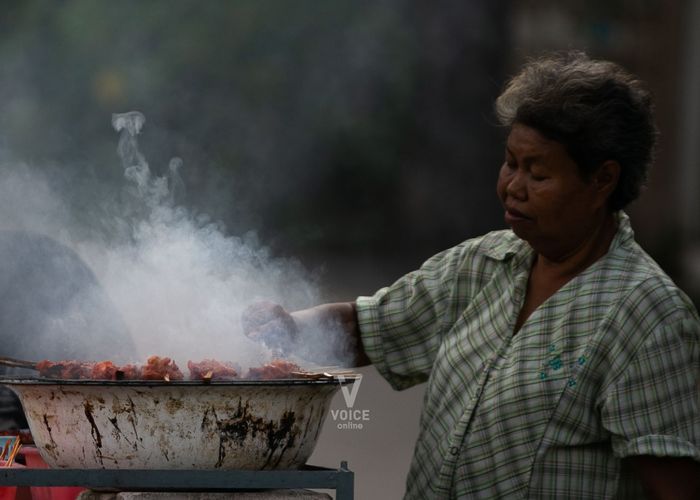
(527, 142)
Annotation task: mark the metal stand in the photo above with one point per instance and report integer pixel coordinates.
(341, 480)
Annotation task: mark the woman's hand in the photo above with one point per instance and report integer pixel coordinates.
(271, 325)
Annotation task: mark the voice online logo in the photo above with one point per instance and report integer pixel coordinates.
(350, 418)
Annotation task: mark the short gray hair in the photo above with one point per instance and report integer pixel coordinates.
(596, 109)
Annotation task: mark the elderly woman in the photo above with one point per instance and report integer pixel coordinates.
(561, 361)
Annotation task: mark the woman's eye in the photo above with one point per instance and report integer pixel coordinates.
(538, 174)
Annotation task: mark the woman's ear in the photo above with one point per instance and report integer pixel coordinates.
(606, 178)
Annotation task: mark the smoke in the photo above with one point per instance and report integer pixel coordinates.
(143, 274)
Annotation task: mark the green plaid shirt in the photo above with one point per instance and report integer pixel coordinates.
(607, 367)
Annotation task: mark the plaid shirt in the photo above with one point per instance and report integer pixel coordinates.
(607, 367)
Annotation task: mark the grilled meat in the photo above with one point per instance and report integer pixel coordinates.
(277, 368)
(210, 369)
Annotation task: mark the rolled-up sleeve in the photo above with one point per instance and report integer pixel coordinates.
(402, 325)
(654, 407)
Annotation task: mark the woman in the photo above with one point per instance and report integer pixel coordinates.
(561, 361)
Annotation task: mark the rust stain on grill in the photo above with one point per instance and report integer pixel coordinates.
(51, 446)
(114, 422)
(278, 435)
(46, 423)
(173, 405)
(116, 432)
(94, 431)
(133, 419)
(96, 436)
(205, 421)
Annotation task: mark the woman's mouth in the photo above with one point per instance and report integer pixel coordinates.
(512, 215)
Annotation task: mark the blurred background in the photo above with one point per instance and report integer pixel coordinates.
(355, 136)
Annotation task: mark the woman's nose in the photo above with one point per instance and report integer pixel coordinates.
(516, 185)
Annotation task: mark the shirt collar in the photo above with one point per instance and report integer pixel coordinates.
(625, 234)
(508, 244)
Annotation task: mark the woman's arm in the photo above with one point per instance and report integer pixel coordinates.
(322, 334)
(340, 316)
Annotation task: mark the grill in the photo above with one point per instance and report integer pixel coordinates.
(128, 475)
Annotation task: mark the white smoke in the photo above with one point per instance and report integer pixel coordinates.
(177, 281)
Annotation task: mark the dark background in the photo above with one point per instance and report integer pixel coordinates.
(357, 136)
(336, 130)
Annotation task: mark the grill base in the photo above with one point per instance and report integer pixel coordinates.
(265, 495)
(189, 482)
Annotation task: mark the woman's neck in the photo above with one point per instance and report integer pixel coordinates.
(593, 245)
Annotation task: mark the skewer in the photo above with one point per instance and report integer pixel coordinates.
(17, 363)
(10, 450)
(322, 375)
(322, 372)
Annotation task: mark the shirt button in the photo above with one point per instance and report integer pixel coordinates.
(454, 450)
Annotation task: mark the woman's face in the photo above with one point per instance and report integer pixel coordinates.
(547, 202)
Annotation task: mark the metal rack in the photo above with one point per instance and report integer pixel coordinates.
(341, 480)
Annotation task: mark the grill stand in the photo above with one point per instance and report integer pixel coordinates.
(341, 480)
